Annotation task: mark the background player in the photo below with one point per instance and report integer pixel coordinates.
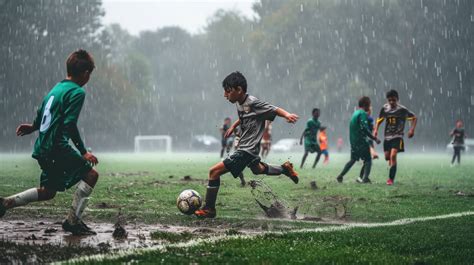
(323, 141)
(266, 139)
(395, 116)
(359, 134)
(310, 135)
(226, 142)
(458, 141)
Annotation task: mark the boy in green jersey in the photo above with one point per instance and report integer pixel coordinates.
(310, 135)
(360, 133)
(62, 166)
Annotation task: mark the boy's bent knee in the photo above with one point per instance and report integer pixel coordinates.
(45, 194)
(92, 177)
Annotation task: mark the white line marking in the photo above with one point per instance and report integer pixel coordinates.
(195, 242)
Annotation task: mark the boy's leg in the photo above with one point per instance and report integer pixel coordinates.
(25, 197)
(458, 149)
(304, 158)
(275, 170)
(242, 180)
(393, 164)
(81, 196)
(318, 156)
(346, 168)
(367, 168)
(209, 210)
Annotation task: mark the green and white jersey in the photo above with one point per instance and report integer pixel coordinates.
(311, 132)
(359, 129)
(61, 106)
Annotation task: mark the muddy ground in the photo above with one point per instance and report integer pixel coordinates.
(45, 241)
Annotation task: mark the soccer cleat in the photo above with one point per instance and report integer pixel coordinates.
(79, 229)
(363, 181)
(339, 179)
(205, 213)
(290, 172)
(3, 209)
(389, 182)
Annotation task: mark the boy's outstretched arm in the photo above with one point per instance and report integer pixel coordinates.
(377, 125)
(26, 128)
(290, 117)
(230, 131)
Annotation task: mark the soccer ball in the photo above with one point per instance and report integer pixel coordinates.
(189, 201)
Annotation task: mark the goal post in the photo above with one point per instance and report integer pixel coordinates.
(150, 141)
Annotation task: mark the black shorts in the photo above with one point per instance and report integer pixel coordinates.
(361, 152)
(238, 161)
(396, 143)
(62, 170)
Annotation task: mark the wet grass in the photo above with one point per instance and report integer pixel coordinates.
(171, 237)
(449, 241)
(145, 187)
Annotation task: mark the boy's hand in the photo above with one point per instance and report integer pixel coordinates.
(91, 158)
(24, 129)
(229, 132)
(411, 133)
(376, 133)
(292, 118)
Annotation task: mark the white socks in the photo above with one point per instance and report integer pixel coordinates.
(79, 202)
(22, 198)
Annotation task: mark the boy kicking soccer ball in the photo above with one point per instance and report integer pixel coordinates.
(395, 116)
(253, 113)
(62, 166)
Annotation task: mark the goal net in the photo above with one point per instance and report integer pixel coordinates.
(153, 143)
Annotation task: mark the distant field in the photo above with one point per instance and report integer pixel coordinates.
(145, 187)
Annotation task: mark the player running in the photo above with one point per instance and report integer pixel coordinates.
(360, 134)
(395, 116)
(253, 113)
(458, 141)
(226, 142)
(266, 139)
(62, 166)
(323, 140)
(310, 135)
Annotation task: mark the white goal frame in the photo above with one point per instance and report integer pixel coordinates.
(140, 138)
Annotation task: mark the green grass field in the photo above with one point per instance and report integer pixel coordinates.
(145, 188)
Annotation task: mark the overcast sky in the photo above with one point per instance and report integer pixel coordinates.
(192, 15)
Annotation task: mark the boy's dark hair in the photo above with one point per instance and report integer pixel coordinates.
(322, 128)
(79, 62)
(392, 93)
(364, 102)
(234, 80)
(227, 119)
(315, 110)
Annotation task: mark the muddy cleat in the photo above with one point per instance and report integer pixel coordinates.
(389, 182)
(205, 213)
(3, 209)
(339, 179)
(290, 172)
(79, 229)
(363, 181)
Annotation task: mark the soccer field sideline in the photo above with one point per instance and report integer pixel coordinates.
(196, 242)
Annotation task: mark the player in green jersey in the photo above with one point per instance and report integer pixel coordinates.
(62, 166)
(359, 135)
(310, 135)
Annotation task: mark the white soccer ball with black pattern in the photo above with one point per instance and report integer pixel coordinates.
(189, 201)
